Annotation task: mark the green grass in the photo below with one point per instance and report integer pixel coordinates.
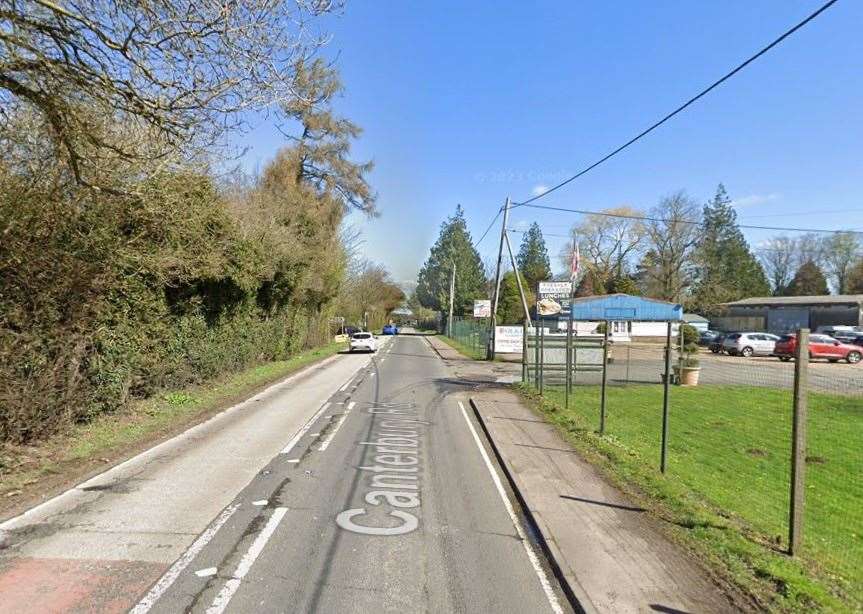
(471, 351)
(140, 424)
(728, 479)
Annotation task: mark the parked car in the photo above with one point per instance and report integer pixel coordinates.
(716, 345)
(364, 342)
(820, 346)
(854, 340)
(390, 329)
(845, 336)
(706, 337)
(838, 330)
(749, 344)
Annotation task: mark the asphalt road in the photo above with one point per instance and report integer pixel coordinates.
(385, 500)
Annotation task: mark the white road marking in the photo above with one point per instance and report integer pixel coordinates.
(260, 503)
(293, 442)
(347, 383)
(531, 553)
(326, 443)
(206, 573)
(373, 374)
(294, 460)
(351, 405)
(224, 597)
(181, 563)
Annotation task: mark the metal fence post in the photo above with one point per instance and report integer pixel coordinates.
(541, 359)
(798, 442)
(604, 379)
(524, 353)
(665, 390)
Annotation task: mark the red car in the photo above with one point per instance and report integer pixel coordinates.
(820, 346)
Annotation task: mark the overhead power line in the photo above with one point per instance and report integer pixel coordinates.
(648, 218)
(569, 236)
(499, 211)
(686, 104)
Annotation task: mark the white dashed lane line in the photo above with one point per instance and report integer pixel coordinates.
(230, 588)
(180, 564)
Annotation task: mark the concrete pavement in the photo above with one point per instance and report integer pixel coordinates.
(611, 553)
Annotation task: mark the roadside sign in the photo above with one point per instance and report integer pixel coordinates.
(508, 339)
(482, 309)
(554, 297)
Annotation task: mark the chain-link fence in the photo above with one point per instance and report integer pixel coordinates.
(469, 335)
(729, 438)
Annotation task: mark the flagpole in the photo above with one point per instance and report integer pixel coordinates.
(571, 357)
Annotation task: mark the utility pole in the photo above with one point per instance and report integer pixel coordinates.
(490, 350)
(451, 296)
(518, 281)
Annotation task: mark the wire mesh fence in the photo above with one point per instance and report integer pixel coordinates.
(730, 436)
(470, 335)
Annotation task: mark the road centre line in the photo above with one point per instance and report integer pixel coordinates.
(531, 553)
(165, 582)
(230, 588)
(305, 429)
(326, 443)
(332, 436)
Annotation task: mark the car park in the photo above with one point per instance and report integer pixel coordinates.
(363, 342)
(820, 346)
(390, 329)
(749, 344)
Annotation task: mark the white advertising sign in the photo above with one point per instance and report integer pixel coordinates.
(508, 339)
(482, 309)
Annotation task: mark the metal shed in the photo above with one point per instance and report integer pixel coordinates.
(625, 307)
(782, 314)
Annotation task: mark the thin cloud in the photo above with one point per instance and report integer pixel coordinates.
(755, 199)
(539, 190)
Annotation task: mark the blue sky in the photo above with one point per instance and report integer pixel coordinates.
(471, 102)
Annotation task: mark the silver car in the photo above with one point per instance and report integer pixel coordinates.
(750, 344)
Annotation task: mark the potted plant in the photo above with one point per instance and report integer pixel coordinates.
(687, 372)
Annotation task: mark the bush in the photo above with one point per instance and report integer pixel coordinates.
(106, 298)
(690, 335)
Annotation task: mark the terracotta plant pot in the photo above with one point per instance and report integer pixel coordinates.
(689, 376)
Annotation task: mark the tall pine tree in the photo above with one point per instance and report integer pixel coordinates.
(532, 257)
(727, 269)
(454, 244)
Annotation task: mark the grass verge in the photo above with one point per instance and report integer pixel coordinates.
(32, 472)
(726, 490)
(469, 351)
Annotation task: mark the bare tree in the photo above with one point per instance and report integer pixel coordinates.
(672, 235)
(175, 74)
(810, 248)
(779, 257)
(608, 243)
(840, 253)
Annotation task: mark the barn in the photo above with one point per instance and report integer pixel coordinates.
(782, 314)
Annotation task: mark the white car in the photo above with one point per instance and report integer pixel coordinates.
(364, 342)
(749, 344)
